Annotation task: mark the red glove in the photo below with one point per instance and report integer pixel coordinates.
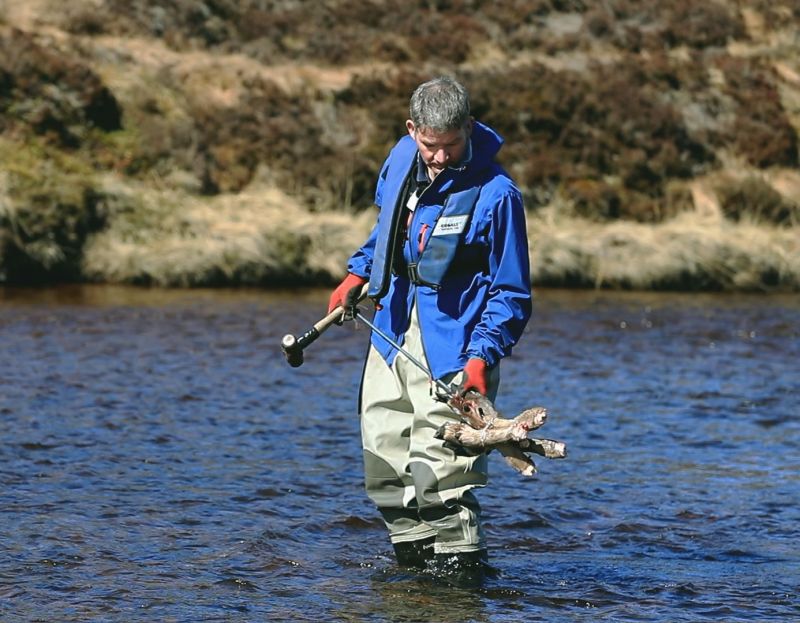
(339, 294)
(474, 376)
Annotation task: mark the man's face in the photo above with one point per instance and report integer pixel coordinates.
(440, 149)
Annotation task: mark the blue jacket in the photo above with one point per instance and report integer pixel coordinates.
(482, 302)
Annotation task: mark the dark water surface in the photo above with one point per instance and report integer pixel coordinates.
(160, 462)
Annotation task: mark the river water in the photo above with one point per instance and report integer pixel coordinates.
(159, 461)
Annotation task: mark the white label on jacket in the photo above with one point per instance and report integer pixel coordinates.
(450, 225)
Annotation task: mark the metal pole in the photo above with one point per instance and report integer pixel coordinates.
(438, 382)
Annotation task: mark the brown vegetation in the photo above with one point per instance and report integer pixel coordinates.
(58, 98)
(612, 112)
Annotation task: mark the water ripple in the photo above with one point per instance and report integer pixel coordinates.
(159, 461)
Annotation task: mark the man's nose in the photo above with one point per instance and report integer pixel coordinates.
(442, 156)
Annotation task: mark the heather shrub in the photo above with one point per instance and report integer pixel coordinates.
(446, 36)
(761, 130)
(752, 198)
(602, 201)
(378, 108)
(347, 31)
(613, 122)
(267, 126)
(700, 24)
(594, 199)
(512, 16)
(52, 95)
(777, 14)
(84, 19)
(656, 26)
(532, 107)
(182, 23)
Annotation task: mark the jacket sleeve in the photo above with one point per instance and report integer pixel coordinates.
(508, 307)
(360, 262)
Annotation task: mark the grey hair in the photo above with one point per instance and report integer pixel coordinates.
(441, 105)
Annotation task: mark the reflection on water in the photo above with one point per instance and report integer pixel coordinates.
(160, 462)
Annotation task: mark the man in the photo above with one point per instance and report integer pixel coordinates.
(447, 265)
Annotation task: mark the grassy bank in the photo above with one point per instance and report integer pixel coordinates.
(262, 236)
(656, 144)
(688, 252)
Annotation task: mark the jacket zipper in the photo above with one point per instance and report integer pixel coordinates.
(421, 248)
(419, 327)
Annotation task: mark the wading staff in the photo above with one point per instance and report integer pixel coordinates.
(293, 346)
(447, 391)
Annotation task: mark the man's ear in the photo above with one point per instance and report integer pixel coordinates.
(469, 125)
(410, 127)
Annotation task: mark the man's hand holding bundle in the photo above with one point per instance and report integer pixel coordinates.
(474, 376)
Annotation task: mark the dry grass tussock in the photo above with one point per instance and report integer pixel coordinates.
(692, 251)
(255, 237)
(263, 236)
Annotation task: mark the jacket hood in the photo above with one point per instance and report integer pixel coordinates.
(485, 145)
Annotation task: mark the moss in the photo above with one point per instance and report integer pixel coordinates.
(49, 209)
